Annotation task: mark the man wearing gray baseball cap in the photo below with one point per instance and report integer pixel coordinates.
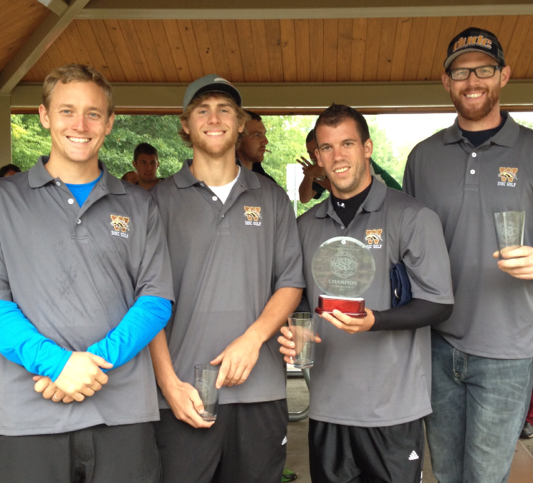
(237, 269)
(481, 355)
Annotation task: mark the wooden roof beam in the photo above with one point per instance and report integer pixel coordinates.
(294, 95)
(41, 39)
(57, 6)
(299, 9)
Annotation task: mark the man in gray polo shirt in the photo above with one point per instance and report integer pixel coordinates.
(237, 271)
(371, 378)
(85, 284)
(482, 353)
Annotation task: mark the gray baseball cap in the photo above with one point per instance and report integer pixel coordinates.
(210, 83)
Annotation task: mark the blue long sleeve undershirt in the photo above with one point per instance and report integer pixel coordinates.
(23, 344)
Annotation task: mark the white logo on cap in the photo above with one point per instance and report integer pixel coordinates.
(220, 79)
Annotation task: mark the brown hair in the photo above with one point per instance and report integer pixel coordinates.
(242, 116)
(77, 73)
(338, 113)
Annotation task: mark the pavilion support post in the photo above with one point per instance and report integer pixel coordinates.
(5, 129)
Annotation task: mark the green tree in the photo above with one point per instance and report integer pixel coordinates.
(383, 153)
(29, 140)
(286, 136)
(159, 131)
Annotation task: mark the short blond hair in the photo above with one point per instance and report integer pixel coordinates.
(242, 116)
(77, 73)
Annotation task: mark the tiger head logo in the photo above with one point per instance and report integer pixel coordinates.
(373, 236)
(252, 213)
(120, 223)
(508, 174)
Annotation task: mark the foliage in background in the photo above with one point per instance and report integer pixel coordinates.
(286, 135)
(160, 131)
(29, 140)
(383, 153)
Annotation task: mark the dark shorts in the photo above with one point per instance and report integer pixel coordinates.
(353, 454)
(100, 454)
(246, 444)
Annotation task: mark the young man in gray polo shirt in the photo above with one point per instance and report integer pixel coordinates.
(85, 284)
(482, 353)
(371, 379)
(237, 270)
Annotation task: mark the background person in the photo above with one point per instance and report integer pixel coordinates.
(131, 177)
(9, 170)
(146, 163)
(252, 146)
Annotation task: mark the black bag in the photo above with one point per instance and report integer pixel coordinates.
(400, 285)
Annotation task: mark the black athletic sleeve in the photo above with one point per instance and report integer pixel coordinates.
(413, 315)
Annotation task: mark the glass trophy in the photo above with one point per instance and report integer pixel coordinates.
(343, 268)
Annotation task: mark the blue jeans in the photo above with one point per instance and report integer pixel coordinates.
(478, 407)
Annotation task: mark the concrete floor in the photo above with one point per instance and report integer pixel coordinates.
(297, 451)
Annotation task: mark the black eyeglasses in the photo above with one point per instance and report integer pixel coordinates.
(482, 72)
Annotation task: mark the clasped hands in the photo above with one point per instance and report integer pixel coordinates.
(81, 377)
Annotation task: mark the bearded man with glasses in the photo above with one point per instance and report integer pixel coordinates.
(482, 355)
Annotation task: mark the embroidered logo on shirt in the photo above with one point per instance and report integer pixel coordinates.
(507, 177)
(121, 225)
(252, 214)
(373, 238)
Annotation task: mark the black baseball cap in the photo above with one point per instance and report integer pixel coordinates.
(474, 40)
(210, 83)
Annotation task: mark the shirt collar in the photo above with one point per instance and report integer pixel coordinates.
(185, 179)
(373, 202)
(506, 136)
(38, 177)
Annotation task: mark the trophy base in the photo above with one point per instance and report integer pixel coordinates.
(353, 307)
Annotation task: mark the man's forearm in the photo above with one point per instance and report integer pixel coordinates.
(163, 368)
(23, 344)
(282, 303)
(139, 326)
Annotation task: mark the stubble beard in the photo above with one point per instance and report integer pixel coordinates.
(355, 182)
(199, 142)
(492, 96)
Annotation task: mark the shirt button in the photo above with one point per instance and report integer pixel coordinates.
(202, 185)
(214, 198)
(472, 171)
(342, 228)
(78, 222)
(70, 201)
(474, 155)
(222, 216)
(58, 183)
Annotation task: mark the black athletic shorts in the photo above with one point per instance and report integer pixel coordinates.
(100, 454)
(246, 444)
(353, 454)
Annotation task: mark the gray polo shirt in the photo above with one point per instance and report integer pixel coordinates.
(380, 378)
(74, 276)
(227, 261)
(493, 312)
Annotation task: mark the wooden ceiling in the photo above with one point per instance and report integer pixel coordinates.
(372, 49)
(307, 50)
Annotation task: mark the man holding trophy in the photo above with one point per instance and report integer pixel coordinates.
(370, 384)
